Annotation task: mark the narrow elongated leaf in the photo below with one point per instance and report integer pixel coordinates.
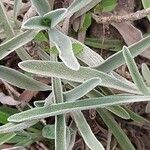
(59, 70)
(61, 108)
(42, 6)
(77, 5)
(119, 111)
(64, 46)
(116, 130)
(16, 42)
(17, 7)
(49, 132)
(86, 132)
(20, 80)
(146, 73)
(13, 127)
(81, 90)
(6, 137)
(137, 78)
(117, 59)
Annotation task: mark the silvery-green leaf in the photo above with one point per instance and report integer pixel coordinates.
(6, 137)
(34, 23)
(61, 108)
(49, 132)
(13, 127)
(86, 132)
(20, 80)
(146, 73)
(59, 70)
(16, 42)
(137, 78)
(42, 6)
(17, 6)
(119, 134)
(56, 16)
(146, 4)
(77, 5)
(64, 46)
(117, 59)
(81, 90)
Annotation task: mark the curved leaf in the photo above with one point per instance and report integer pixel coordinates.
(146, 73)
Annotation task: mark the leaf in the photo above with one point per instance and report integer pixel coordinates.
(61, 108)
(64, 46)
(42, 7)
(86, 132)
(76, 5)
(117, 59)
(87, 22)
(49, 132)
(17, 6)
(13, 127)
(59, 70)
(6, 137)
(146, 4)
(146, 73)
(16, 42)
(20, 80)
(3, 117)
(137, 78)
(81, 90)
(119, 134)
(49, 20)
(119, 111)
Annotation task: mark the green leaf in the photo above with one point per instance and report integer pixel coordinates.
(20, 80)
(16, 42)
(119, 134)
(41, 37)
(13, 127)
(76, 5)
(59, 70)
(146, 73)
(81, 90)
(146, 4)
(49, 132)
(61, 108)
(3, 117)
(117, 59)
(42, 7)
(49, 20)
(137, 78)
(64, 46)
(17, 7)
(87, 21)
(86, 132)
(6, 137)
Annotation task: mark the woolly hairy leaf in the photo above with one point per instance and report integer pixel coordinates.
(42, 6)
(146, 4)
(61, 108)
(6, 137)
(16, 42)
(17, 6)
(20, 80)
(117, 59)
(146, 73)
(59, 70)
(64, 46)
(49, 132)
(137, 78)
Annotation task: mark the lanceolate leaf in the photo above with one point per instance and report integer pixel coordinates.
(137, 78)
(61, 108)
(59, 70)
(117, 59)
(12, 127)
(17, 6)
(64, 46)
(116, 130)
(20, 80)
(16, 42)
(42, 6)
(81, 90)
(86, 132)
(146, 4)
